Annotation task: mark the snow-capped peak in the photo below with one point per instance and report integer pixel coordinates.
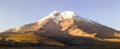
(59, 16)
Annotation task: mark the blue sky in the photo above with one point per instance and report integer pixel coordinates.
(14, 13)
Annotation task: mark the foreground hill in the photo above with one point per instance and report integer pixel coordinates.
(27, 40)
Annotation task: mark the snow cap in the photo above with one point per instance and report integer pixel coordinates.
(68, 14)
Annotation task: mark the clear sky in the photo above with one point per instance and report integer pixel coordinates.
(14, 13)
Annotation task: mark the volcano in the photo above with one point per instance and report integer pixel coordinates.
(62, 29)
